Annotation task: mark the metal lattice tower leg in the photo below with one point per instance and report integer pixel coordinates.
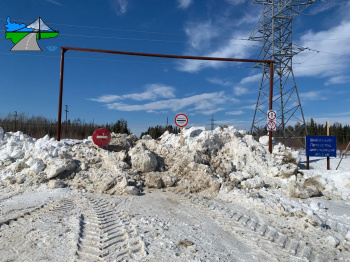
(274, 30)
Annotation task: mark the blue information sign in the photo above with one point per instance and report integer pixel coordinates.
(321, 146)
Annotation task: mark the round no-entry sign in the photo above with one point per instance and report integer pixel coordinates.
(101, 137)
(181, 120)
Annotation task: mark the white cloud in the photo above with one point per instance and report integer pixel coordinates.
(200, 34)
(206, 103)
(235, 113)
(251, 79)
(106, 98)
(184, 4)
(153, 91)
(210, 112)
(54, 2)
(333, 58)
(218, 81)
(312, 95)
(319, 9)
(217, 36)
(119, 6)
(240, 90)
(337, 80)
(225, 51)
(249, 107)
(249, 17)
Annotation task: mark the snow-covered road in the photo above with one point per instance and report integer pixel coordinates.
(157, 225)
(221, 197)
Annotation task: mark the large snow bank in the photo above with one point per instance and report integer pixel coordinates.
(224, 158)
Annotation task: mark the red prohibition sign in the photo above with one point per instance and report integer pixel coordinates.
(271, 125)
(181, 120)
(271, 115)
(101, 137)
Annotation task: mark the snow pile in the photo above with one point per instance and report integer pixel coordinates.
(222, 159)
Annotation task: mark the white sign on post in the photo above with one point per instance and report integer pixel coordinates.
(181, 120)
(271, 126)
(271, 115)
(271, 120)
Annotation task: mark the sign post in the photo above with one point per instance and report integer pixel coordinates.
(271, 125)
(101, 137)
(328, 165)
(321, 146)
(181, 120)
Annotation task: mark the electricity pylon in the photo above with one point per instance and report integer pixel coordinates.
(274, 30)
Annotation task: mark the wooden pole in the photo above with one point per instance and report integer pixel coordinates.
(307, 163)
(181, 139)
(328, 165)
(343, 155)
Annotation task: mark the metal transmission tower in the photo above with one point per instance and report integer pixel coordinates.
(212, 123)
(274, 29)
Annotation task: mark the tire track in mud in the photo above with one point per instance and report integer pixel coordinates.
(106, 234)
(21, 217)
(264, 234)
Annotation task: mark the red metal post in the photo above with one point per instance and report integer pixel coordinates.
(63, 50)
(328, 164)
(270, 103)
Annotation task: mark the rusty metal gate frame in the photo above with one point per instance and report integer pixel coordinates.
(64, 49)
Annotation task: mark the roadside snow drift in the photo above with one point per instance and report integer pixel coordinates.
(207, 161)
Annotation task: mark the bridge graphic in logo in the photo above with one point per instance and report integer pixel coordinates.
(25, 37)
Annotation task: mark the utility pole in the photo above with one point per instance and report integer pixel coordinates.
(15, 120)
(66, 118)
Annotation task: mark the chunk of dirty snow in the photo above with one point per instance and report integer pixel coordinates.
(264, 140)
(131, 190)
(332, 241)
(60, 166)
(37, 166)
(55, 184)
(348, 235)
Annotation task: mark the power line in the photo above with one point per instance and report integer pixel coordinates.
(126, 38)
(103, 28)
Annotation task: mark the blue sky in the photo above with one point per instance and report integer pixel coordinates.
(145, 91)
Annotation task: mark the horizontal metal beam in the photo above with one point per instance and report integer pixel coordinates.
(65, 48)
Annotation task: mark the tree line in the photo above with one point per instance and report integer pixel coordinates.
(158, 130)
(39, 126)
